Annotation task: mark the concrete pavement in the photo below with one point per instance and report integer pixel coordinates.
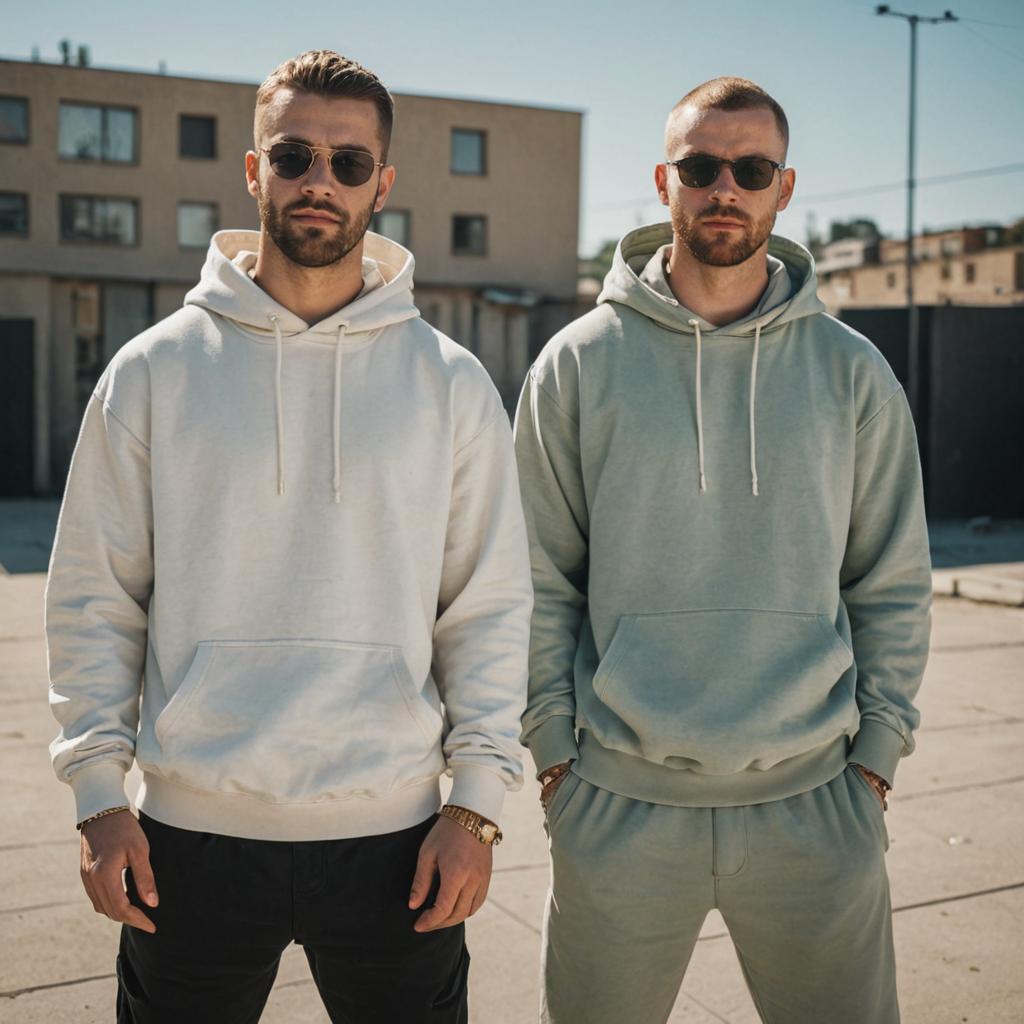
(956, 859)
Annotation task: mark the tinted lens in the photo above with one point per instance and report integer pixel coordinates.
(698, 171)
(753, 173)
(289, 159)
(352, 166)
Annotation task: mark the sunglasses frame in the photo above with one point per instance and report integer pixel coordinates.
(721, 161)
(313, 151)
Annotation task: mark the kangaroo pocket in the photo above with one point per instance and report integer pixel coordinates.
(297, 721)
(721, 691)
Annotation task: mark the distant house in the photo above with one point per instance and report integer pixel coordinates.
(964, 266)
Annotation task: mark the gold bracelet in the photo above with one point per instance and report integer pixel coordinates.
(483, 828)
(102, 814)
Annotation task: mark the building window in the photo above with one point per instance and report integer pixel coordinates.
(890, 280)
(97, 133)
(13, 213)
(469, 235)
(94, 219)
(13, 119)
(969, 273)
(197, 137)
(469, 151)
(947, 272)
(393, 224)
(196, 224)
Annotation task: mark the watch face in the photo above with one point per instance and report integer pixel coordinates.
(488, 832)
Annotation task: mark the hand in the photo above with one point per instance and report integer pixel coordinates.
(109, 845)
(465, 867)
(877, 783)
(547, 794)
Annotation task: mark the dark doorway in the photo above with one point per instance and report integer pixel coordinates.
(17, 383)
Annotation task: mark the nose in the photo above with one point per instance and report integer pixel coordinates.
(319, 179)
(725, 184)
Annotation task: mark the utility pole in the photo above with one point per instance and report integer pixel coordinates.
(913, 336)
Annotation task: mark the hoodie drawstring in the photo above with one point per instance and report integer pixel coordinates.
(753, 432)
(279, 405)
(695, 324)
(337, 414)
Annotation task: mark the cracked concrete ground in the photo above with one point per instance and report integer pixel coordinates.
(956, 860)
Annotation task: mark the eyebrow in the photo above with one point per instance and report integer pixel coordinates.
(715, 156)
(342, 145)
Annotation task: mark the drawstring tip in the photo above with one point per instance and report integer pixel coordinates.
(703, 484)
(337, 497)
(753, 487)
(280, 487)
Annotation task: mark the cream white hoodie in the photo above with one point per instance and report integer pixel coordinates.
(290, 577)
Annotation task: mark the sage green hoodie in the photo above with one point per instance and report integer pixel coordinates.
(728, 543)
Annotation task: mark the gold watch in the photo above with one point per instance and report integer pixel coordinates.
(484, 829)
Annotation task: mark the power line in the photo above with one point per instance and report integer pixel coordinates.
(995, 46)
(993, 24)
(867, 190)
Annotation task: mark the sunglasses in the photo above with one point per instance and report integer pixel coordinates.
(351, 167)
(751, 173)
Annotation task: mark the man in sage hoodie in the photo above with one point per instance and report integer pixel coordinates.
(732, 590)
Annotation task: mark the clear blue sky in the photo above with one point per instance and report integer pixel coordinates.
(838, 70)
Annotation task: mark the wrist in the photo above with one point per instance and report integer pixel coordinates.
(485, 830)
(101, 814)
(555, 771)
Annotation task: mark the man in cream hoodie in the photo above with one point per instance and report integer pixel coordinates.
(732, 582)
(291, 583)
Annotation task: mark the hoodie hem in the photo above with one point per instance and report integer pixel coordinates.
(246, 818)
(638, 779)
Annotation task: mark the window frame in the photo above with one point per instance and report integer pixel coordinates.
(192, 156)
(103, 108)
(28, 121)
(406, 215)
(203, 246)
(28, 222)
(482, 133)
(486, 242)
(134, 200)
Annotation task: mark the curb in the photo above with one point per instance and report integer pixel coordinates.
(977, 585)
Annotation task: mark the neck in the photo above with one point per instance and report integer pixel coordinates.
(311, 293)
(719, 295)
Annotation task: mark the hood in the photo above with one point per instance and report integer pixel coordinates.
(623, 284)
(226, 289)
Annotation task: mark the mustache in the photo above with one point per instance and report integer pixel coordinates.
(715, 212)
(311, 204)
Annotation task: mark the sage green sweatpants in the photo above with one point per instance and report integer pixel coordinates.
(801, 884)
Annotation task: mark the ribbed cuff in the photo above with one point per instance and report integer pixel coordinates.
(878, 748)
(477, 789)
(97, 788)
(553, 742)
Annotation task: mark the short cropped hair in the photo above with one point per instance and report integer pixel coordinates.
(733, 94)
(326, 73)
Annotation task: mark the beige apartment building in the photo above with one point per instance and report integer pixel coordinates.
(111, 183)
(964, 267)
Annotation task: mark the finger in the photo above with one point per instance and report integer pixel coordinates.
(480, 895)
(424, 876)
(120, 908)
(142, 874)
(462, 909)
(442, 908)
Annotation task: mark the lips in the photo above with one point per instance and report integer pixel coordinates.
(314, 217)
(722, 225)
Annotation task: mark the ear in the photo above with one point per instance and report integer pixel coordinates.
(788, 181)
(661, 182)
(387, 181)
(252, 173)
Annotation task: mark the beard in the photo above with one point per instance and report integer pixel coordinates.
(314, 246)
(722, 250)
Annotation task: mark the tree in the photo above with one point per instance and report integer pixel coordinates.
(858, 227)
